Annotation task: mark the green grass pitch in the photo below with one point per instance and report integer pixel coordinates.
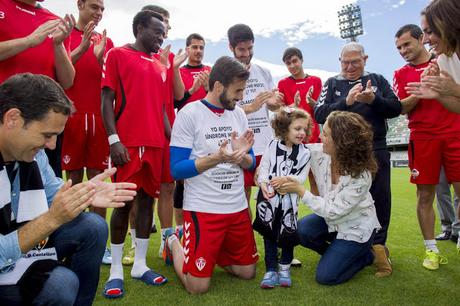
(410, 284)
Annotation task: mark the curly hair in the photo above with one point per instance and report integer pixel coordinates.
(352, 137)
(283, 119)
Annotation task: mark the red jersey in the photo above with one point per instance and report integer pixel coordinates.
(138, 81)
(289, 86)
(86, 89)
(18, 20)
(428, 119)
(169, 89)
(188, 74)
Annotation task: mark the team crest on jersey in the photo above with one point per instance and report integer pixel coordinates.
(66, 159)
(200, 263)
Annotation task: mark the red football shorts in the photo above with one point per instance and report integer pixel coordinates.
(85, 143)
(427, 156)
(144, 169)
(249, 174)
(223, 239)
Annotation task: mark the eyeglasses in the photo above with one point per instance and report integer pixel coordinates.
(355, 63)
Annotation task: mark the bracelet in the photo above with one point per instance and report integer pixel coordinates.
(113, 139)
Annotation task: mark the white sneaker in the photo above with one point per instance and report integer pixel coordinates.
(107, 258)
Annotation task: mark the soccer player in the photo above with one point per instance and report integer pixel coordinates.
(300, 88)
(369, 95)
(210, 147)
(174, 90)
(433, 143)
(259, 96)
(29, 32)
(136, 125)
(195, 76)
(85, 143)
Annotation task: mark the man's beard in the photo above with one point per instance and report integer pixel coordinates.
(225, 102)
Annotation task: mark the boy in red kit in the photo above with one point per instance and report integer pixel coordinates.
(300, 88)
(85, 143)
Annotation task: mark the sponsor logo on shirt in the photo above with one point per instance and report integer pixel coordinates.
(147, 59)
(298, 83)
(25, 11)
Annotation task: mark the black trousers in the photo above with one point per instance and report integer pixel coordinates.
(381, 193)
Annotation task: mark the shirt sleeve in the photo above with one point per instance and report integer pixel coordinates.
(9, 251)
(327, 103)
(182, 134)
(333, 205)
(110, 71)
(386, 103)
(399, 85)
(51, 183)
(264, 167)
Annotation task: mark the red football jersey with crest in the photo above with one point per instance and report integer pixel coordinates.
(138, 81)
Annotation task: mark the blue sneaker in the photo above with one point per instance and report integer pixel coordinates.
(164, 235)
(270, 280)
(285, 278)
(107, 258)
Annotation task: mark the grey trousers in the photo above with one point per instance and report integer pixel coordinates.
(447, 207)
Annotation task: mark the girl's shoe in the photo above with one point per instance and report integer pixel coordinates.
(284, 277)
(270, 280)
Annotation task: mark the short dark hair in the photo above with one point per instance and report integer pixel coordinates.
(290, 52)
(196, 36)
(238, 33)
(144, 18)
(226, 70)
(157, 9)
(35, 95)
(414, 30)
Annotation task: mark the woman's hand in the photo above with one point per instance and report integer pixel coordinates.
(291, 185)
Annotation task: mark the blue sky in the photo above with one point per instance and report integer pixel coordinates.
(312, 26)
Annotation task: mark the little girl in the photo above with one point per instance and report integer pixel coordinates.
(276, 215)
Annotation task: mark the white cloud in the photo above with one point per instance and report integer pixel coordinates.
(295, 20)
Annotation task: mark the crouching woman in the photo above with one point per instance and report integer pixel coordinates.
(343, 223)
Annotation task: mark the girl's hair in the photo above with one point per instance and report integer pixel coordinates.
(352, 137)
(283, 119)
(442, 17)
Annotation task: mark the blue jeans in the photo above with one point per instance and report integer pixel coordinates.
(82, 243)
(341, 259)
(271, 255)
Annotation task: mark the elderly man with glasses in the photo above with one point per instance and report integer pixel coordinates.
(369, 95)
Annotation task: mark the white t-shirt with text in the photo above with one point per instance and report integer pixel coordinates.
(259, 80)
(219, 189)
